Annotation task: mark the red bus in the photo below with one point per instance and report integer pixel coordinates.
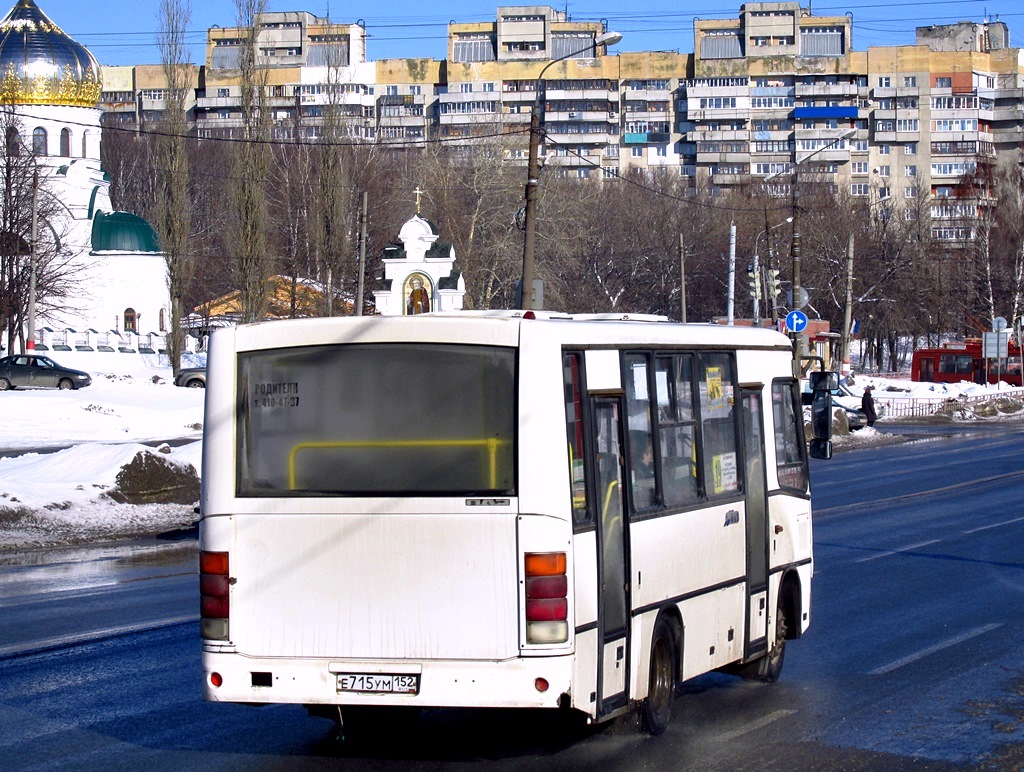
(955, 362)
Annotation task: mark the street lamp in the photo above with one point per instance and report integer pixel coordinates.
(529, 299)
(794, 244)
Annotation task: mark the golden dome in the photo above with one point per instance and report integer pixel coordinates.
(41, 65)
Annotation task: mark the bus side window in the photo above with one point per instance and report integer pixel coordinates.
(572, 373)
(640, 436)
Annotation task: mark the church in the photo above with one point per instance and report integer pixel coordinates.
(49, 91)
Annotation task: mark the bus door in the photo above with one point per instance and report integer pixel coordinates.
(613, 575)
(757, 520)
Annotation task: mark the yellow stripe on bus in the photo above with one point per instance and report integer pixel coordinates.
(490, 444)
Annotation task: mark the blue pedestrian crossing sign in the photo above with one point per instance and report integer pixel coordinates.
(796, 321)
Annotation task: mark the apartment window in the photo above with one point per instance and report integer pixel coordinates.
(859, 167)
(391, 90)
(884, 149)
(466, 88)
(223, 93)
(908, 124)
(943, 83)
(909, 192)
(860, 145)
(883, 82)
(583, 174)
(862, 81)
(859, 189)
(910, 171)
(887, 125)
(990, 81)
(416, 90)
(637, 152)
(884, 193)
(942, 191)
(488, 86)
(910, 81)
(910, 148)
(883, 171)
(662, 151)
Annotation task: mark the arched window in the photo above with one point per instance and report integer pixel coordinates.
(163, 320)
(39, 141)
(85, 144)
(130, 320)
(65, 143)
(13, 142)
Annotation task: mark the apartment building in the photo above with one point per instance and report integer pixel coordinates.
(772, 90)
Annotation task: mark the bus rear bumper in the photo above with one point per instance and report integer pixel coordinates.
(523, 682)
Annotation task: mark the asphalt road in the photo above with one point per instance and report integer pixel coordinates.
(913, 659)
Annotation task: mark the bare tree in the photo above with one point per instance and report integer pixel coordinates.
(251, 263)
(25, 188)
(172, 203)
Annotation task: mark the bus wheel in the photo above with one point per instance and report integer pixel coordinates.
(657, 708)
(769, 668)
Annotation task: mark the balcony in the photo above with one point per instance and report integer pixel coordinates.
(647, 138)
(826, 89)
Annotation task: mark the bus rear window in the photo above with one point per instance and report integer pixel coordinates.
(376, 420)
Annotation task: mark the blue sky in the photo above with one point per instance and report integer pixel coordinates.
(123, 31)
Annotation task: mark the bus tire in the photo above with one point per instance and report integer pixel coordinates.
(769, 667)
(656, 710)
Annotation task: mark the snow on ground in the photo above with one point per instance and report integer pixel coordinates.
(57, 497)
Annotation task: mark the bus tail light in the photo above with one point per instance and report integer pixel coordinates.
(214, 595)
(547, 601)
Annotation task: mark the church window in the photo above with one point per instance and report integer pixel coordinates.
(163, 320)
(65, 143)
(85, 144)
(39, 141)
(130, 320)
(13, 142)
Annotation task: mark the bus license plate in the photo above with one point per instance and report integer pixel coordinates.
(379, 683)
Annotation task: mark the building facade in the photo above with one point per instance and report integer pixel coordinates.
(762, 93)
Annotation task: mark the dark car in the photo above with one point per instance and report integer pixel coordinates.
(34, 371)
(191, 377)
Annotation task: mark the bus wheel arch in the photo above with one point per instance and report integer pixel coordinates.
(663, 672)
(786, 627)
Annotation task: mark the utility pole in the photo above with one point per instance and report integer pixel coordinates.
(30, 344)
(682, 278)
(362, 255)
(848, 312)
(732, 273)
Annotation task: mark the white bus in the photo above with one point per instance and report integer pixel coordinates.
(499, 510)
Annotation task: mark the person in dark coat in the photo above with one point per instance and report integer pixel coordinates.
(867, 404)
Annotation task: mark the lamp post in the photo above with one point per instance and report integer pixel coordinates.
(529, 299)
(794, 244)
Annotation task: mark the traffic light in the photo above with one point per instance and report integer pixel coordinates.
(772, 275)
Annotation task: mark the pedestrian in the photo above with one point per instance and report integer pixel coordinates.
(867, 404)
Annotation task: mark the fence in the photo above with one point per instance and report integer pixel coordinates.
(923, 407)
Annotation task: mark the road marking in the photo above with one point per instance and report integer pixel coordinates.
(994, 525)
(937, 647)
(63, 641)
(897, 551)
(755, 725)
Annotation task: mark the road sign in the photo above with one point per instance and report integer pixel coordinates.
(796, 321)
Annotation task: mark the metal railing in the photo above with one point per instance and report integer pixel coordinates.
(923, 407)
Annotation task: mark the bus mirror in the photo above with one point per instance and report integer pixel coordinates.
(821, 449)
(824, 381)
(821, 415)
